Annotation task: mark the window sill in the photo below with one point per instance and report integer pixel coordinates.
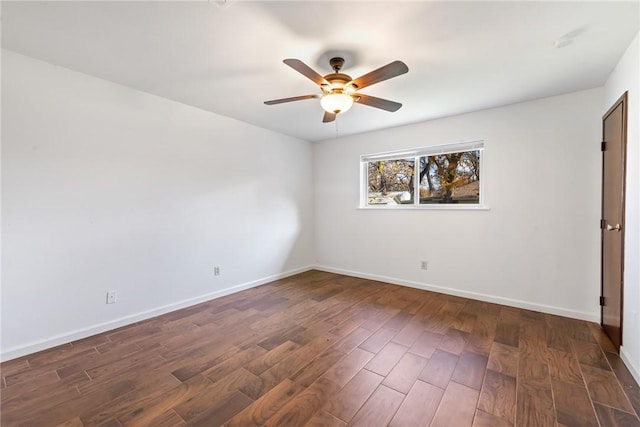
(426, 208)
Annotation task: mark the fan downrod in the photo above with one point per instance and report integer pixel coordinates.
(336, 63)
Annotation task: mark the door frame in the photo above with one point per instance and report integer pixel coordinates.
(621, 101)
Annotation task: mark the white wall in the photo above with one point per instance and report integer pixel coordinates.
(625, 78)
(536, 247)
(105, 187)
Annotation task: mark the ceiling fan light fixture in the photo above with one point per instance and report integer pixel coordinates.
(336, 102)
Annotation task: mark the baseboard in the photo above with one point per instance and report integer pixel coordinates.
(631, 366)
(590, 317)
(65, 338)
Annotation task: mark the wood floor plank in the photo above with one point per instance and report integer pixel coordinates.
(610, 417)
(533, 343)
(464, 322)
(53, 410)
(168, 419)
(470, 369)
(379, 339)
(398, 321)
(302, 407)
(573, 406)
(535, 406)
(482, 419)
(30, 380)
(220, 370)
(483, 334)
(53, 403)
(342, 372)
(154, 384)
(201, 363)
(457, 408)
(343, 329)
(564, 366)
(601, 338)
(260, 364)
(273, 341)
(604, 388)
(200, 404)
(426, 344)
(66, 355)
(386, 359)
(439, 369)
(419, 407)
(107, 388)
(352, 396)
(508, 331)
(454, 341)
(146, 410)
(405, 373)
(534, 399)
(35, 372)
(558, 339)
(498, 396)
(112, 423)
(178, 342)
(628, 383)
(577, 329)
(317, 367)
(14, 366)
(221, 411)
(409, 333)
(266, 406)
(73, 422)
(504, 359)
(352, 340)
(379, 409)
(121, 357)
(324, 419)
(532, 371)
(590, 354)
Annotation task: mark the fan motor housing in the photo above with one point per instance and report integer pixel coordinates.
(338, 79)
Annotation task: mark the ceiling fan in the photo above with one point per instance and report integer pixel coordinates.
(339, 91)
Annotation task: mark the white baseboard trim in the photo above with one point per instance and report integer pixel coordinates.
(631, 366)
(67, 337)
(575, 314)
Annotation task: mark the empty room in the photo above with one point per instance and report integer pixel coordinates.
(320, 213)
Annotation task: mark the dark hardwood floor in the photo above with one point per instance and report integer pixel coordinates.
(319, 349)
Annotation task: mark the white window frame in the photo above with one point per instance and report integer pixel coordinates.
(416, 153)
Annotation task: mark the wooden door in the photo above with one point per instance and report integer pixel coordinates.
(614, 145)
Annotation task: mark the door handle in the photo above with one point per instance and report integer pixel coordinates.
(616, 227)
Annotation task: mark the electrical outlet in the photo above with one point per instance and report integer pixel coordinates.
(424, 265)
(112, 297)
(216, 271)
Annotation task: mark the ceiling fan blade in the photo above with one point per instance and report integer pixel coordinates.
(295, 98)
(306, 71)
(393, 69)
(372, 101)
(328, 117)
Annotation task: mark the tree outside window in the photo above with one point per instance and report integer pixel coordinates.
(391, 181)
(450, 178)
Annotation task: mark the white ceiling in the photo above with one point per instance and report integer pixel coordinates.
(462, 56)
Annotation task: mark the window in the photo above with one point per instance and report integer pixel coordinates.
(447, 176)
(391, 181)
